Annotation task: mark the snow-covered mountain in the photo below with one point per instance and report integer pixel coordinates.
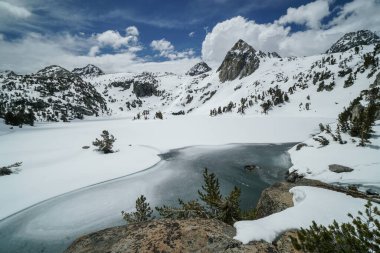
(248, 82)
(88, 71)
(353, 39)
(52, 94)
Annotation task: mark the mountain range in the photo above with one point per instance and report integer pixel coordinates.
(247, 82)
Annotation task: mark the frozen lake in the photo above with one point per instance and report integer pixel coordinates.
(52, 225)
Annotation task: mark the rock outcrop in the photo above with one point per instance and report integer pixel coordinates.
(193, 235)
(198, 69)
(240, 61)
(144, 85)
(353, 39)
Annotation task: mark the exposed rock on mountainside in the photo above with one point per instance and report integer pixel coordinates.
(53, 94)
(198, 69)
(353, 39)
(240, 61)
(144, 85)
(88, 71)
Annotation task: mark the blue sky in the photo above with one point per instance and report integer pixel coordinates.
(173, 20)
(95, 28)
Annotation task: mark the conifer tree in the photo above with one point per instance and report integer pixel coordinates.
(211, 195)
(143, 212)
(361, 235)
(105, 145)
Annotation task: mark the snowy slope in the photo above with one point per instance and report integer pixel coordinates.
(295, 77)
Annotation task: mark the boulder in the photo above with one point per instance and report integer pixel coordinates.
(339, 168)
(251, 167)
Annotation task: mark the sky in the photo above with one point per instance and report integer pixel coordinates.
(169, 35)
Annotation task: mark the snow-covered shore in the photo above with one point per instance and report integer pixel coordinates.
(55, 163)
(321, 205)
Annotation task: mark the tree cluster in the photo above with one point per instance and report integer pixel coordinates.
(361, 235)
(211, 205)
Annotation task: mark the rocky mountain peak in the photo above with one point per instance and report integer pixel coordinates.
(198, 69)
(353, 39)
(88, 71)
(240, 61)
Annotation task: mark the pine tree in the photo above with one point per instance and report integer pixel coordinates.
(211, 195)
(361, 235)
(106, 144)
(229, 208)
(143, 212)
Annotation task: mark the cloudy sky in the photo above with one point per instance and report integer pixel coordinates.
(169, 35)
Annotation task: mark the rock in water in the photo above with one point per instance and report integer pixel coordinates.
(339, 168)
(198, 69)
(353, 39)
(251, 167)
(240, 61)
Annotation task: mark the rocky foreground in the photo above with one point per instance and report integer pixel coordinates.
(198, 235)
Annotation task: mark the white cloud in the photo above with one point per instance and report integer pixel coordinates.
(225, 34)
(353, 16)
(7, 9)
(162, 45)
(132, 31)
(115, 40)
(167, 50)
(94, 51)
(191, 34)
(34, 52)
(310, 14)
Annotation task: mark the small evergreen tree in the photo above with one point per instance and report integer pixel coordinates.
(211, 195)
(229, 210)
(105, 145)
(143, 212)
(159, 115)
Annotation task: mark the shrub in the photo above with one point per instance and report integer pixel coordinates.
(106, 144)
(322, 140)
(362, 235)
(159, 115)
(143, 212)
(6, 170)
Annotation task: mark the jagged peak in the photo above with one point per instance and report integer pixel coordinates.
(88, 71)
(353, 39)
(198, 69)
(242, 60)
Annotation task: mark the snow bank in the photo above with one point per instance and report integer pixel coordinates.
(310, 203)
(54, 161)
(313, 160)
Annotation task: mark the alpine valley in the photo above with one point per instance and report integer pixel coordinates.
(313, 121)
